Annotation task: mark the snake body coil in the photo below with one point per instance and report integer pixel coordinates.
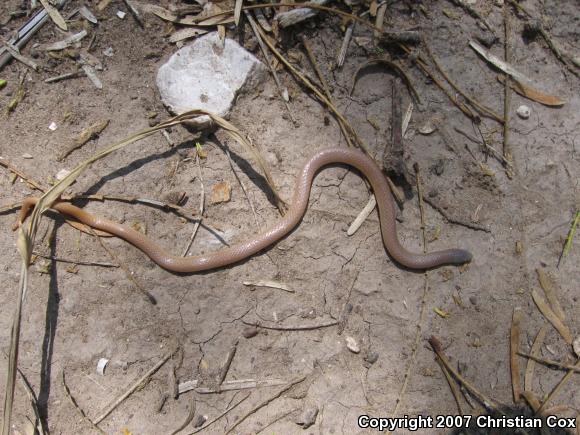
(241, 251)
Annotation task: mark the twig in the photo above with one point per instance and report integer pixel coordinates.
(201, 208)
(325, 87)
(85, 136)
(487, 402)
(507, 90)
(476, 104)
(132, 389)
(473, 12)
(209, 423)
(264, 403)
(189, 417)
(419, 325)
(276, 420)
(77, 407)
(453, 220)
(65, 76)
(319, 94)
(292, 328)
(15, 170)
(281, 89)
(452, 387)
(345, 43)
(226, 367)
(238, 384)
(549, 362)
(78, 262)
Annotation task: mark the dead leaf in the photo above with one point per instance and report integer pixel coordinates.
(552, 317)
(54, 15)
(221, 192)
(533, 94)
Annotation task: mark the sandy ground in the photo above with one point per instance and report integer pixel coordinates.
(75, 315)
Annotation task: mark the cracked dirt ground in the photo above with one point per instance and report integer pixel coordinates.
(74, 317)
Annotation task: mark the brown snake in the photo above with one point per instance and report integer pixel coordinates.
(241, 251)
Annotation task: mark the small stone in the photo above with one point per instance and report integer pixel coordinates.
(308, 417)
(208, 74)
(371, 357)
(108, 52)
(249, 332)
(27, 156)
(352, 345)
(52, 126)
(121, 14)
(60, 175)
(473, 300)
(200, 420)
(524, 112)
(221, 192)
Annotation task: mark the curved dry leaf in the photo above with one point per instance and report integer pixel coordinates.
(552, 317)
(189, 32)
(533, 94)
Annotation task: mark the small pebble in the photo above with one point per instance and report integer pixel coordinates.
(371, 357)
(199, 421)
(121, 14)
(26, 156)
(108, 52)
(249, 332)
(60, 175)
(52, 126)
(473, 300)
(524, 112)
(352, 345)
(308, 417)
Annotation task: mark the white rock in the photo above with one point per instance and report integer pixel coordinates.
(524, 112)
(352, 345)
(60, 175)
(208, 74)
(121, 14)
(52, 126)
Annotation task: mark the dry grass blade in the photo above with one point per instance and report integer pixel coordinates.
(569, 237)
(238, 11)
(558, 387)
(54, 15)
(536, 346)
(27, 233)
(84, 136)
(552, 317)
(549, 362)
(514, 360)
(547, 284)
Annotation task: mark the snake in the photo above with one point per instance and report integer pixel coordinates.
(294, 214)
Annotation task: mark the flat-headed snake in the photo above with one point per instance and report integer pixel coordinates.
(241, 251)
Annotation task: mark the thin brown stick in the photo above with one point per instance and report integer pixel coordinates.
(292, 328)
(549, 362)
(320, 76)
(18, 172)
(201, 208)
(487, 402)
(319, 94)
(209, 423)
(507, 89)
(453, 387)
(265, 403)
(486, 111)
(77, 407)
(141, 381)
(226, 367)
(454, 220)
(514, 349)
(283, 91)
(77, 262)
